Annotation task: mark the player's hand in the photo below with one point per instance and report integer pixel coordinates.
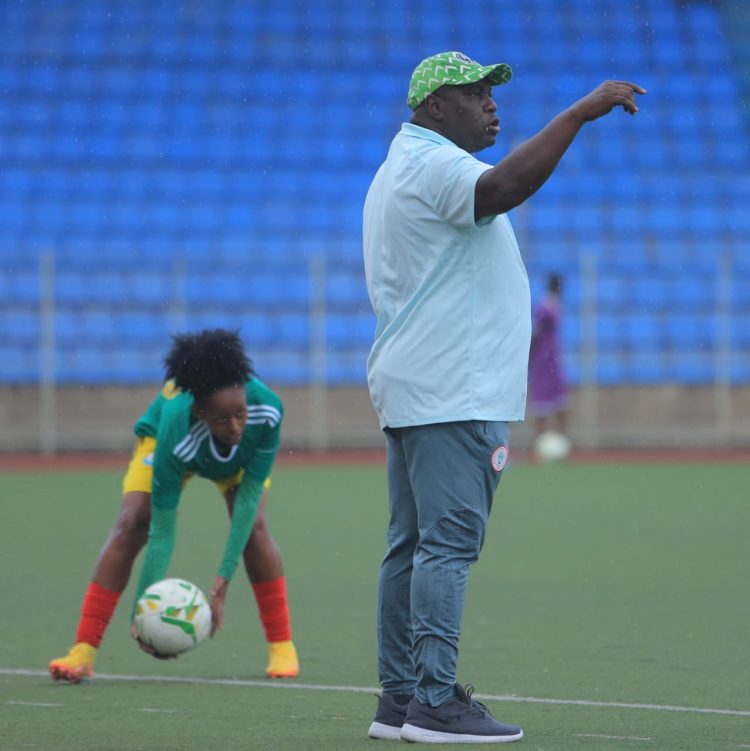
(146, 648)
(218, 595)
(605, 97)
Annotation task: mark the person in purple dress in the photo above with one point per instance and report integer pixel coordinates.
(548, 387)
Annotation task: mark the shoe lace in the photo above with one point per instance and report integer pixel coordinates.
(476, 706)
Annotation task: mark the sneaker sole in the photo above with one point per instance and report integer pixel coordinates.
(290, 674)
(62, 674)
(382, 732)
(414, 734)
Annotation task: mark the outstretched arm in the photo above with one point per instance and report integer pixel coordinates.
(520, 174)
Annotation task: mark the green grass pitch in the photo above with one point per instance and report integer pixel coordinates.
(611, 609)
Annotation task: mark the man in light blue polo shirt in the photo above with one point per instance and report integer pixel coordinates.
(462, 301)
(448, 368)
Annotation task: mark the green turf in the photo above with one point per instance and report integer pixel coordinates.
(626, 584)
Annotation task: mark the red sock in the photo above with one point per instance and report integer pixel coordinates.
(96, 612)
(273, 609)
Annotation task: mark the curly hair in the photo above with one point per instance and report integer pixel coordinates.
(207, 361)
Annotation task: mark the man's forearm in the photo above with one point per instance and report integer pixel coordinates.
(520, 174)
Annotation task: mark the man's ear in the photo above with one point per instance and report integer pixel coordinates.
(196, 411)
(433, 107)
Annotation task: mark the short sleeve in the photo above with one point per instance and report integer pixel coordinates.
(450, 182)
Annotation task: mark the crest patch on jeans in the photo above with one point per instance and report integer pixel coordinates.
(499, 458)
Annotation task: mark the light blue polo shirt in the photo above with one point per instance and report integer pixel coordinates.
(451, 295)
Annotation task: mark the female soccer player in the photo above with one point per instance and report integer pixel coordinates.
(215, 419)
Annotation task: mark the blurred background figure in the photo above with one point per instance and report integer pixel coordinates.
(548, 386)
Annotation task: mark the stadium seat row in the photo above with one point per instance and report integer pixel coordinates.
(139, 365)
(185, 163)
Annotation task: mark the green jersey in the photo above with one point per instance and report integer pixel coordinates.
(185, 445)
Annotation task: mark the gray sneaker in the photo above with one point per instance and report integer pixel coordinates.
(461, 720)
(389, 717)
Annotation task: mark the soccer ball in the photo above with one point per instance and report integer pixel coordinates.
(172, 616)
(551, 447)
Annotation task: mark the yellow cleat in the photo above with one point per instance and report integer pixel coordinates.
(282, 660)
(77, 666)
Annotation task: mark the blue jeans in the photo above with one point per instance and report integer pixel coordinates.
(441, 482)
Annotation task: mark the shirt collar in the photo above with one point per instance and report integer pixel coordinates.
(417, 131)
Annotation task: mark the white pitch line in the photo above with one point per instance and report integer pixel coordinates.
(165, 711)
(610, 737)
(33, 703)
(277, 684)
(618, 704)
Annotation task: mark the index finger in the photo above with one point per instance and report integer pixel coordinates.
(217, 620)
(634, 86)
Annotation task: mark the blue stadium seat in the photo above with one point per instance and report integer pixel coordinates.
(649, 293)
(20, 327)
(693, 292)
(19, 286)
(105, 328)
(283, 366)
(587, 218)
(612, 369)
(691, 332)
(347, 290)
(740, 294)
(18, 365)
(207, 289)
(572, 367)
(570, 334)
(652, 154)
(665, 219)
(150, 289)
(693, 369)
(259, 331)
(738, 219)
(346, 368)
(149, 330)
(610, 333)
(706, 22)
(740, 333)
(649, 368)
(613, 294)
(625, 217)
(740, 371)
(644, 333)
(628, 253)
(293, 331)
(350, 331)
(83, 366)
(198, 318)
(731, 152)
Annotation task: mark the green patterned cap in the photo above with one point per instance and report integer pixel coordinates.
(451, 69)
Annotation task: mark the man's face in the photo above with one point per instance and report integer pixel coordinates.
(469, 115)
